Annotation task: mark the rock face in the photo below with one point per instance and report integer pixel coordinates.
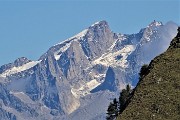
(157, 95)
(10, 103)
(109, 82)
(84, 72)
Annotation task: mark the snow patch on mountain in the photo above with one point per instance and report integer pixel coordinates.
(58, 53)
(22, 96)
(155, 23)
(117, 58)
(120, 38)
(18, 69)
(80, 35)
(96, 23)
(84, 89)
(75, 37)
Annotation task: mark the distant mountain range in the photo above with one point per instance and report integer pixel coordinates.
(77, 78)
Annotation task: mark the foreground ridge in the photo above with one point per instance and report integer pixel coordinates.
(157, 95)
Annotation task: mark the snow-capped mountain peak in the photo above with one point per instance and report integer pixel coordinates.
(75, 79)
(88, 36)
(151, 31)
(100, 23)
(85, 31)
(155, 23)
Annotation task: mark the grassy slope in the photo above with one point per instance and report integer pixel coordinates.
(157, 95)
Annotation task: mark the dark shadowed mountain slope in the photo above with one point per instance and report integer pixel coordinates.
(157, 95)
(109, 82)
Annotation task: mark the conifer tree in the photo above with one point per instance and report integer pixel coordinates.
(144, 71)
(116, 107)
(112, 111)
(124, 96)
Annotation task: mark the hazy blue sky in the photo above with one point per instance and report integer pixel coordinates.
(29, 27)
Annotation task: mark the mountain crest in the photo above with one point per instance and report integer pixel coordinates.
(21, 61)
(101, 26)
(151, 31)
(100, 23)
(18, 62)
(155, 23)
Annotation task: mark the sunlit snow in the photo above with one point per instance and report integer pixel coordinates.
(19, 69)
(84, 88)
(109, 59)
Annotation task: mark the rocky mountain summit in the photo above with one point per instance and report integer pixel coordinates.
(76, 79)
